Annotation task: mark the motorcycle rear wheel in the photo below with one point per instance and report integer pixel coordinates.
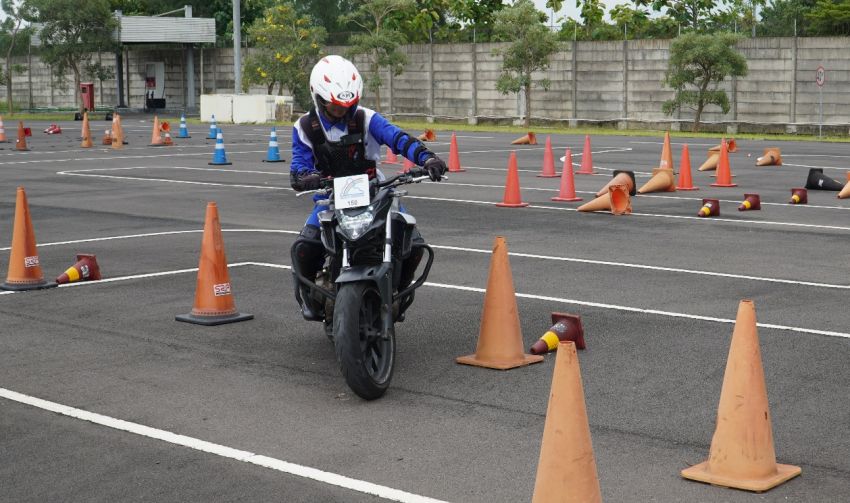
(366, 359)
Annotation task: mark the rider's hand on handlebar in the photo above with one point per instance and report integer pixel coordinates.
(312, 181)
(436, 168)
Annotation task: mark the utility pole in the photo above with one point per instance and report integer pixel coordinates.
(237, 48)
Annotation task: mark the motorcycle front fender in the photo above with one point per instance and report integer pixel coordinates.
(382, 276)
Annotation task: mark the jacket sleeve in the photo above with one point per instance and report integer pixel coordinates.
(399, 141)
(302, 160)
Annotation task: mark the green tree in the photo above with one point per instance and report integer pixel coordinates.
(779, 16)
(477, 15)
(71, 31)
(328, 13)
(829, 18)
(13, 41)
(531, 45)
(693, 14)
(698, 64)
(380, 42)
(591, 12)
(287, 45)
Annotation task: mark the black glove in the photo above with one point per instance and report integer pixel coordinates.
(312, 181)
(436, 168)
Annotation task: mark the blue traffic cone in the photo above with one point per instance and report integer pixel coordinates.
(219, 157)
(213, 129)
(273, 154)
(184, 131)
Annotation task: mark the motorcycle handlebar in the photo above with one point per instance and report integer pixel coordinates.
(413, 175)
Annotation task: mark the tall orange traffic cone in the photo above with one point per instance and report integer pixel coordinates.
(21, 141)
(685, 180)
(407, 165)
(724, 171)
(391, 158)
(567, 193)
(662, 180)
(156, 134)
(710, 163)
(620, 177)
(512, 197)
(214, 304)
(117, 132)
(528, 139)
(428, 135)
(742, 453)
(2, 131)
(586, 159)
(86, 132)
(454, 156)
(666, 153)
(500, 337)
(24, 265)
(751, 202)
(565, 327)
(566, 471)
(85, 269)
(710, 208)
(772, 156)
(548, 169)
(617, 201)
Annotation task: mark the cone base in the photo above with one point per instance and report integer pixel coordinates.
(548, 176)
(182, 136)
(687, 188)
(210, 138)
(505, 365)
(20, 287)
(783, 473)
(220, 163)
(213, 320)
(512, 205)
(22, 149)
(724, 184)
(458, 170)
(566, 199)
(274, 160)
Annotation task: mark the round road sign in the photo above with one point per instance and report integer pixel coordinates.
(820, 76)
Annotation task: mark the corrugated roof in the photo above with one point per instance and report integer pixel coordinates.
(167, 29)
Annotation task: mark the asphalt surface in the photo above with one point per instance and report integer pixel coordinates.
(656, 290)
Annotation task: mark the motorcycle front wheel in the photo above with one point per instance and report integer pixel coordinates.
(365, 358)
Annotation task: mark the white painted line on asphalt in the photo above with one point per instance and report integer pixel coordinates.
(96, 149)
(624, 149)
(188, 168)
(43, 161)
(841, 168)
(270, 187)
(676, 143)
(279, 465)
(154, 234)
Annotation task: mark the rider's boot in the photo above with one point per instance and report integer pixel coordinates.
(308, 258)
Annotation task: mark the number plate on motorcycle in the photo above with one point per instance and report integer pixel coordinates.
(351, 191)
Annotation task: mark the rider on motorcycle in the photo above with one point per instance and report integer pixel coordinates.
(339, 138)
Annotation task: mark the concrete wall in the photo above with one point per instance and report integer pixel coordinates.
(593, 81)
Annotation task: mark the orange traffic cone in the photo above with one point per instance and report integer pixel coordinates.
(567, 193)
(528, 139)
(167, 141)
(86, 132)
(710, 163)
(731, 146)
(214, 304)
(512, 197)
(85, 269)
(685, 180)
(617, 201)
(156, 134)
(772, 157)
(566, 471)
(117, 132)
(454, 156)
(586, 159)
(107, 137)
(500, 337)
(742, 453)
(666, 153)
(565, 327)
(407, 165)
(724, 171)
(428, 135)
(799, 196)
(751, 202)
(2, 131)
(710, 208)
(24, 265)
(548, 169)
(21, 141)
(662, 180)
(621, 177)
(845, 192)
(392, 158)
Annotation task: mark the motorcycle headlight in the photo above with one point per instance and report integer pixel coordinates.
(354, 226)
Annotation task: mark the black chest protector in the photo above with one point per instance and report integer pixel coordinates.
(345, 157)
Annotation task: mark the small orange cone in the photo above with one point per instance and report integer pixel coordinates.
(107, 137)
(666, 153)
(799, 196)
(167, 141)
(24, 265)
(86, 132)
(772, 157)
(156, 134)
(731, 146)
(621, 177)
(500, 337)
(751, 202)
(662, 180)
(742, 454)
(710, 208)
(428, 135)
(85, 269)
(710, 163)
(454, 156)
(565, 327)
(214, 304)
(685, 180)
(21, 141)
(512, 197)
(117, 132)
(548, 169)
(566, 471)
(724, 171)
(528, 139)
(586, 159)
(407, 165)
(617, 201)
(567, 193)
(2, 131)
(845, 192)
(392, 158)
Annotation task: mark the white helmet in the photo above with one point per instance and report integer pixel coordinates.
(335, 79)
